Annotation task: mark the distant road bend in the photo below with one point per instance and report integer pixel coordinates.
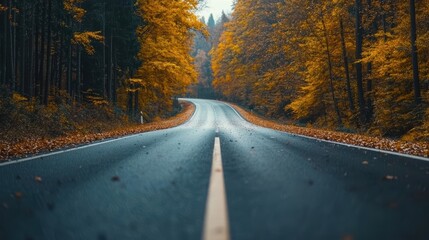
(215, 177)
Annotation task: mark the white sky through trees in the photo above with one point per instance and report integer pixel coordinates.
(215, 7)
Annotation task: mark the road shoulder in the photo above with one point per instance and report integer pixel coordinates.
(410, 148)
(36, 146)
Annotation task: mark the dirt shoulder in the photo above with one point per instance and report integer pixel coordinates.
(412, 148)
(33, 146)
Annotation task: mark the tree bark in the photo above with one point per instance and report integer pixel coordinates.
(4, 54)
(104, 52)
(23, 48)
(48, 55)
(35, 74)
(79, 74)
(358, 64)
(69, 68)
(12, 35)
(31, 55)
(331, 81)
(346, 67)
(110, 68)
(42, 55)
(414, 54)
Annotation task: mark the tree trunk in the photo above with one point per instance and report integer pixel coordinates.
(31, 55)
(23, 49)
(414, 54)
(48, 55)
(114, 78)
(60, 63)
(42, 55)
(79, 73)
(358, 64)
(130, 104)
(69, 69)
(104, 53)
(4, 54)
(12, 35)
(110, 68)
(35, 74)
(331, 81)
(346, 67)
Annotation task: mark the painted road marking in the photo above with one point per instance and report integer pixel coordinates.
(216, 225)
(333, 142)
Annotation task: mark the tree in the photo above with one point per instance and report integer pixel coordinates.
(294, 59)
(165, 43)
(414, 53)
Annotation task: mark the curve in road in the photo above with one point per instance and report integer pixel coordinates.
(154, 186)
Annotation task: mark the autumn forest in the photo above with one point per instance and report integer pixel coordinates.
(360, 65)
(357, 66)
(77, 65)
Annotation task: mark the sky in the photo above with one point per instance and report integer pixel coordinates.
(215, 7)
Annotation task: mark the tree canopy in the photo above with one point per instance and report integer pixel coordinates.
(360, 65)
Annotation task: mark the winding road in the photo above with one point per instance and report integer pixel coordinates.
(215, 177)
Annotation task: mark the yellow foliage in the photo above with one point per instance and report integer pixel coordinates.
(3, 8)
(85, 40)
(72, 7)
(167, 68)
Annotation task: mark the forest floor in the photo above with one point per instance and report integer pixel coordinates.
(411, 148)
(24, 147)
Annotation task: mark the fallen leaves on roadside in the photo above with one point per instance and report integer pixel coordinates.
(412, 148)
(32, 146)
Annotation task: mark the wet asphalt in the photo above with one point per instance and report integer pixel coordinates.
(154, 186)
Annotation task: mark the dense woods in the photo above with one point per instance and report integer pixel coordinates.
(63, 59)
(202, 54)
(355, 65)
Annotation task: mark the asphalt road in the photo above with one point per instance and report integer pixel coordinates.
(154, 186)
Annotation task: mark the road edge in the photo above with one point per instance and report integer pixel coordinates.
(417, 157)
(69, 147)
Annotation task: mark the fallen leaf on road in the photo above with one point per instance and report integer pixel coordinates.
(390, 177)
(18, 195)
(38, 179)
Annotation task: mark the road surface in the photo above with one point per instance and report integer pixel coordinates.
(155, 185)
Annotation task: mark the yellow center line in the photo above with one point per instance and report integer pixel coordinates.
(216, 225)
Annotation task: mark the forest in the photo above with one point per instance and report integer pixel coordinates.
(65, 63)
(349, 65)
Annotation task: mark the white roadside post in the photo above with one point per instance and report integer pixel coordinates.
(141, 117)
